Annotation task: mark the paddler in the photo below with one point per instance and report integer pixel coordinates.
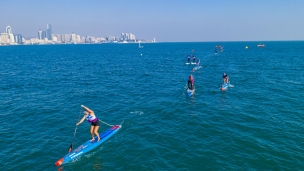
(191, 82)
(188, 57)
(193, 58)
(90, 117)
(225, 78)
(198, 62)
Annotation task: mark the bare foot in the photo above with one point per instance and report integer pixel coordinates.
(98, 139)
(92, 140)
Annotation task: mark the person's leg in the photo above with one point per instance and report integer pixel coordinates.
(96, 132)
(92, 132)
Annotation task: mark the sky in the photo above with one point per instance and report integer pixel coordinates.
(166, 20)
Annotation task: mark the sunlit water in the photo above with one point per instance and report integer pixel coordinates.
(255, 125)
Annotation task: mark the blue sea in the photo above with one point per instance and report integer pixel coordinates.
(255, 125)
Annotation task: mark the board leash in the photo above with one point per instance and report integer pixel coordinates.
(105, 123)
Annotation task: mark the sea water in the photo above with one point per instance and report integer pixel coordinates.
(255, 125)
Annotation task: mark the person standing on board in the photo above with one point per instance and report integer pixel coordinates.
(188, 57)
(191, 82)
(90, 117)
(193, 58)
(198, 62)
(225, 78)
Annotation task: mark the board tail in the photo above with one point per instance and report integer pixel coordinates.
(59, 162)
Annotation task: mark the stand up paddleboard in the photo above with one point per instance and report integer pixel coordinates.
(197, 68)
(225, 86)
(188, 63)
(88, 146)
(190, 92)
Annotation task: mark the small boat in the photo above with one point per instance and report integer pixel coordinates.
(190, 92)
(218, 46)
(139, 45)
(260, 45)
(88, 146)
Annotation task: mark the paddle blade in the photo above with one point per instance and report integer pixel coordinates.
(71, 147)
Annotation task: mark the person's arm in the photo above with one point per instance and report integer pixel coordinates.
(81, 120)
(87, 109)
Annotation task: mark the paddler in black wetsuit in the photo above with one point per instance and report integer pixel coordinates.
(193, 58)
(225, 78)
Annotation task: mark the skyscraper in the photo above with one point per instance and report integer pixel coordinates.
(40, 34)
(18, 38)
(9, 30)
(49, 31)
(43, 34)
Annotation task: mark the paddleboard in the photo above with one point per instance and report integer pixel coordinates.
(88, 146)
(225, 86)
(190, 92)
(197, 68)
(188, 63)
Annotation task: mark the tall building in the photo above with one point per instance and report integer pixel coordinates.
(49, 31)
(9, 30)
(43, 34)
(123, 36)
(40, 35)
(132, 36)
(73, 37)
(18, 38)
(67, 38)
(4, 38)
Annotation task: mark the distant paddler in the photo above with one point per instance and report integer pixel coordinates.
(188, 57)
(193, 59)
(225, 78)
(198, 62)
(90, 117)
(190, 82)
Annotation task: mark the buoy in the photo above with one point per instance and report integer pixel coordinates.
(246, 47)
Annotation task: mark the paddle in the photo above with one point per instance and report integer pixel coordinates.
(71, 146)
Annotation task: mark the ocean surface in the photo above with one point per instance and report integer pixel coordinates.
(255, 125)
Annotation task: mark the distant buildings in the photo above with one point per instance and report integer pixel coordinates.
(127, 37)
(7, 37)
(47, 37)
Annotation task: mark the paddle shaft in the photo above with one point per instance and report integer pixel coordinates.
(71, 146)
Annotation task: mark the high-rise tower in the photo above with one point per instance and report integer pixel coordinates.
(9, 30)
(40, 34)
(49, 31)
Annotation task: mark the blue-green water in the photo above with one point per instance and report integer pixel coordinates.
(256, 125)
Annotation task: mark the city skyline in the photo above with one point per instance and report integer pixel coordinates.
(46, 37)
(167, 21)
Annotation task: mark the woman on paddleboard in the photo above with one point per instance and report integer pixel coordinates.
(90, 117)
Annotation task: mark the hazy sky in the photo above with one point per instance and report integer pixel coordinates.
(166, 20)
